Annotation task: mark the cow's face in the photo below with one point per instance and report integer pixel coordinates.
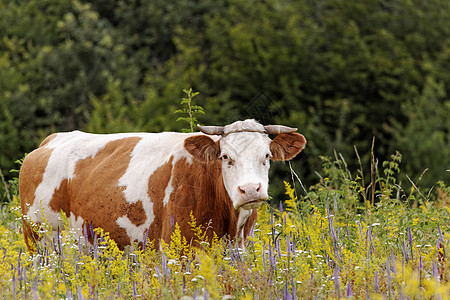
(245, 160)
(245, 157)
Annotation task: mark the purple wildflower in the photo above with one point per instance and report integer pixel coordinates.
(420, 264)
(360, 230)
(4, 254)
(86, 240)
(349, 293)
(205, 294)
(264, 257)
(118, 289)
(277, 243)
(188, 266)
(441, 237)
(434, 271)
(388, 271)
(252, 230)
(171, 222)
(184, 285)
(134, 290)
(336, 282)
(272, 258)
(405, 254)
(294, 290)
(158, 271)
(80, 250)
(393, 266)
(91, 228)
(286, 294)
(58, 239)
(166, 270)
(144, 245)
(376, 283)
(281, 207)
(410, 237)
(288, 247)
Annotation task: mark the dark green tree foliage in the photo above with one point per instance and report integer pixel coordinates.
(340, 71)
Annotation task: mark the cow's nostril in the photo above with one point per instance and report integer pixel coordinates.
(241, 190)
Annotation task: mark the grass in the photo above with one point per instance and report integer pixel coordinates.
(333, 241)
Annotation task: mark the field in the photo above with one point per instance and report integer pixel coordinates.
(342, 238)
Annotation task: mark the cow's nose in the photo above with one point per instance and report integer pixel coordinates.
(250, 191)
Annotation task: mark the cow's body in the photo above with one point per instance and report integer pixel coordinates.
(130, 183)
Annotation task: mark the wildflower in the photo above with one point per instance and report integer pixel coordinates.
(410, 237)
(336, 282)
(375, 282)
(349, 293)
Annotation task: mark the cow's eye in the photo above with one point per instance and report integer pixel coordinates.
(224, 157)
(267, 155)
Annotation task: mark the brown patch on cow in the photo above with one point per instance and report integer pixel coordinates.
(287, 145)
(202, 148)
(30, 176)
(198, 187)
(60, 201)
(136, 213)
(94, 195)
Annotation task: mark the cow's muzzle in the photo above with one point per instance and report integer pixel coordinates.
(251, 195)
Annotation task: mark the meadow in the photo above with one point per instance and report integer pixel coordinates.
(339, 239)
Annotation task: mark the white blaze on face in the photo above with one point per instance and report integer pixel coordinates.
(245, 166)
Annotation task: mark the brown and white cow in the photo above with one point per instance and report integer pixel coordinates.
(129, 183)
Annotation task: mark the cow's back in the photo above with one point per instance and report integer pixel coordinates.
(98, 178)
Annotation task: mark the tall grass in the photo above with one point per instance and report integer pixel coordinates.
(331, 241)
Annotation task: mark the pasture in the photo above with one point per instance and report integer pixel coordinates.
(341, 238)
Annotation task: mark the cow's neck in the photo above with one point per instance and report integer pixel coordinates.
(228, 220)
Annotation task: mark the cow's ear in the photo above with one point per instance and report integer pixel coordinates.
(287, 145)
(202, 147)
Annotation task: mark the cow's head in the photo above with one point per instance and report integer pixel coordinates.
(245, 150)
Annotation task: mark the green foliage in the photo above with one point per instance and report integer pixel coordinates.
(191, 110)
(340, 71)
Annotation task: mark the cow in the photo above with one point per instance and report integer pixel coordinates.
(133, 184)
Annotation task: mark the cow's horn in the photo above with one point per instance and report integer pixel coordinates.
(211, 129)
(278, 129)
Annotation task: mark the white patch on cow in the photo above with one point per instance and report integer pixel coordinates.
(242, 220)
(76, 224)
(168, 192)
(245, 160)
